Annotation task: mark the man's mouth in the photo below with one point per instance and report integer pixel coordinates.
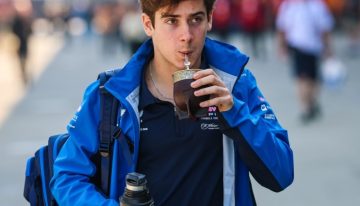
(188, 53)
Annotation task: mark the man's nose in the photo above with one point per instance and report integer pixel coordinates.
(186, 33)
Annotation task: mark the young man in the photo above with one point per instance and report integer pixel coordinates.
(186, 162)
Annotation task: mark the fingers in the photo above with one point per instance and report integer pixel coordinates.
(212, 90)
(206, 77)
(224, 103)
(209, 83)
(203, 73)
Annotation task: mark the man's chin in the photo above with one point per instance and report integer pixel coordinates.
(179, 65)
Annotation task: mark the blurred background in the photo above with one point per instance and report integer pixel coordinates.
(50, 50)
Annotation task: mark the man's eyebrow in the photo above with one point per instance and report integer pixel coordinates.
(166, 15)
(198, 13)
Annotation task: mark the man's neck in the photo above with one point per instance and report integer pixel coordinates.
(159, 81)
(162, 73)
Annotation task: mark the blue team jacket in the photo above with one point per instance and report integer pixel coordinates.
(253, 140)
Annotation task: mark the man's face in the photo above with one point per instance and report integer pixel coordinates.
(177, 32)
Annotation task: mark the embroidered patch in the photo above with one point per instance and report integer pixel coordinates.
(270, 116)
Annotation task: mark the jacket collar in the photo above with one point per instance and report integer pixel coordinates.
(224, 57)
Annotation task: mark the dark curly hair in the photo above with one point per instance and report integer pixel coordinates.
(149, 7)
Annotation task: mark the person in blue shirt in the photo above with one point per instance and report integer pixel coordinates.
(206, 161)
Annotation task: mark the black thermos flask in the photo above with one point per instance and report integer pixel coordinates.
(136, 192)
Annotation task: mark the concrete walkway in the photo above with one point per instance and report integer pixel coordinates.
(42, 49)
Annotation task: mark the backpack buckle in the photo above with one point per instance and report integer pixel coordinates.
(103, 90)
(104, 149)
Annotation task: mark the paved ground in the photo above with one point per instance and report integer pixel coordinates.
(327, 170)
(42, 49)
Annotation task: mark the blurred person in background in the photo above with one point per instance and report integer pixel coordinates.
(6, 12)
(57, 15)
(304, 28)
(107, 19)
(200, 162)
(21, 27)
(273, 11)
(131, 28)
(251, 17)
(222, 18)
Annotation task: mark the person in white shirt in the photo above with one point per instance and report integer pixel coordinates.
(304, 28)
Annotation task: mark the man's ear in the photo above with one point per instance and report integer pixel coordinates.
(210, 20)
(147, 24)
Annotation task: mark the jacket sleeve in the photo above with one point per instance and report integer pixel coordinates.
(262, 143)
(73, 167)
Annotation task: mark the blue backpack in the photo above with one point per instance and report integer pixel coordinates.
(39, 168)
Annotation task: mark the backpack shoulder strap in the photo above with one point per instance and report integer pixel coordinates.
(108, 129)
(108, 113)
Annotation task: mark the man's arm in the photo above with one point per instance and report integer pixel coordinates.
(73, 167)
(262, 143)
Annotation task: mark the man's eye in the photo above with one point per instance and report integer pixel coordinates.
(196, 20)
(170, 21)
